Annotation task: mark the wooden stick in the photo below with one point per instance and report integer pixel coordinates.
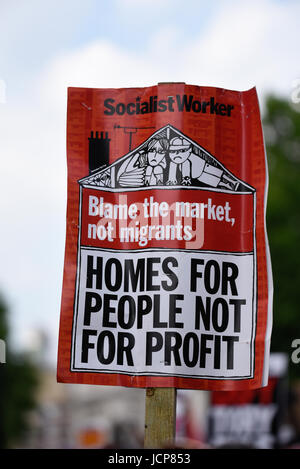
(160, 417)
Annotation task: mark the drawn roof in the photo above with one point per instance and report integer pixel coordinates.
(135, 169)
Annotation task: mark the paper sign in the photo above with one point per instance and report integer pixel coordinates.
(167, 280)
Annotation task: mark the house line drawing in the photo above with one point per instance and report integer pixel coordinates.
(167, 159)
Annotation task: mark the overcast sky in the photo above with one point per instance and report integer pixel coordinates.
(46, 46)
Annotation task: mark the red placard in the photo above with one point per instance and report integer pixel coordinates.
(167, 280)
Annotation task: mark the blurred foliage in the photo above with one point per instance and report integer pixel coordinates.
(18, 383)
(281, 126)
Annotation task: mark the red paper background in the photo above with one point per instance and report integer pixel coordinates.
(237, 142)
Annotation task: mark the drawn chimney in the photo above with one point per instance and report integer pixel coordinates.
(98, 151)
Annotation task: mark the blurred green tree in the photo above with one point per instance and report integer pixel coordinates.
(18, 383)
(281, 126)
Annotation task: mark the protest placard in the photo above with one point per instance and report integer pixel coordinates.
(167, 278)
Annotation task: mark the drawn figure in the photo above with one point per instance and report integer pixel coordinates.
(156, 161)
(146, 167)
(186, 166)
(180, 167)
(132, 172)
